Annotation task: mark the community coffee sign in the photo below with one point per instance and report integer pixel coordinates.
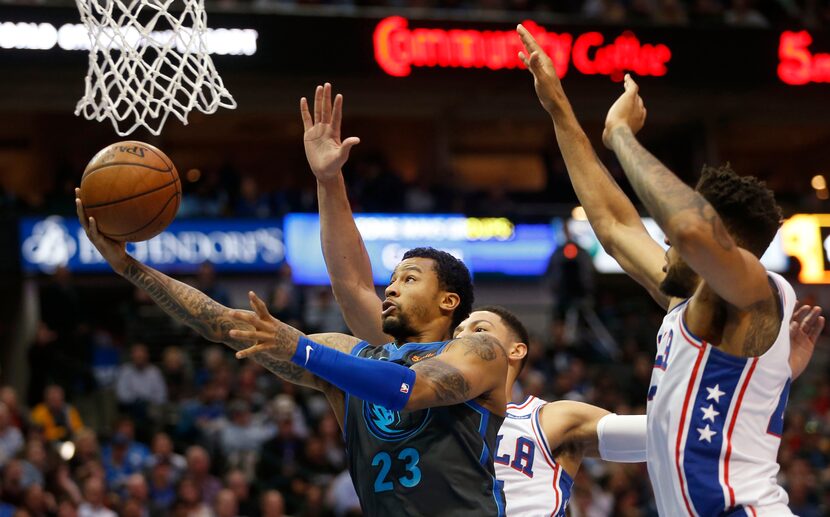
(399, 48)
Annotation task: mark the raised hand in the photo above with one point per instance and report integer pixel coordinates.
(805, 328)
(545, 80)
(269, 334)
(325, 152)
(114, 252)
(628, 111)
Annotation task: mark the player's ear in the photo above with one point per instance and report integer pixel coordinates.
(518, 351)
(449, 301)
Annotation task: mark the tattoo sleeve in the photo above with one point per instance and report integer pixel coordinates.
(672, 203)
(208, 318)
(445, 381)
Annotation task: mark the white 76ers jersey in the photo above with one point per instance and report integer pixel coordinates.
(534, 484)
(715, 422)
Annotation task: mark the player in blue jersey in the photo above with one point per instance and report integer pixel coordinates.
(420, 414)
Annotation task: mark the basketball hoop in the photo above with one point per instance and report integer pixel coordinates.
(146, 62)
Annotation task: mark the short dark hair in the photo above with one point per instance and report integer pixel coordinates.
(745, 205)
(513, 323)
(453, 276)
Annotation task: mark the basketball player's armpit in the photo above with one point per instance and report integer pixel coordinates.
(438, 384)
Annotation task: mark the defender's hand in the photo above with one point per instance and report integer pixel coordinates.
(325, 152)
(627, 111)
(805, 327)
(545, 79)
(114, 252)
(269, 334)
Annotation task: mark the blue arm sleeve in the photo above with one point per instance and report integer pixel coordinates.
(379, 382)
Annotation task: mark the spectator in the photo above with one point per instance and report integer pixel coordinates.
(162, 489)
(237, 483)
(38, 502)
(139, 382)
(189, 502)
(285, 301)
(163, 453)
(11, 439)
(252, 203)
(244, 435)
(123, 456)
(206, 282)
(226, 504)
(93, 505)
(322, 314)
(198, 473)
(86, 448)
(58, 419)
(177, 373)
(34, 464)
(272, 504)
(137, 491)
(18, 418)
(342, 497)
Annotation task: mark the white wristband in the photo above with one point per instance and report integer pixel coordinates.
(622, 438)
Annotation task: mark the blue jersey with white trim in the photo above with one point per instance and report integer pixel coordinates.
(534, 484)
(431, 462)
(715, 421)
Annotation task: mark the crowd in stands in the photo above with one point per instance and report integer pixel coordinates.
(137, 416)
(736, 13)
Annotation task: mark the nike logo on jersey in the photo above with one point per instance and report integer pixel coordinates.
(308, 349)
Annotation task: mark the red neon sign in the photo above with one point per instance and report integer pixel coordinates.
(798, 65)
(399, 48)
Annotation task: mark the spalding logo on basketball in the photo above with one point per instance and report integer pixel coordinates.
(393, 426)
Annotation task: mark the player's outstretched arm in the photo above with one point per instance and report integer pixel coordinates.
(689, 221)
(468, 368)
(184, 303)
(612, 215)
(346, 258)
(575, 430)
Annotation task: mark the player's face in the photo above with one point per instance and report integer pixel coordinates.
(412, 298)
(680, 280)
(483, 321)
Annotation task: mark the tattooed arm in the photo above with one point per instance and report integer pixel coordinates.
(612, 215)
(689, 221)
(472, 367)
(185, 303)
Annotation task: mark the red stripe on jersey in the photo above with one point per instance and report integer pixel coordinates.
(549, 460)
(681, 427)
(751, 509)
(731, 428)
(524, 404)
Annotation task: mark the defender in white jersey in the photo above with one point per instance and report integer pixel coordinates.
(720, 375)
(716, 420)
(541, 444)
(721, 379)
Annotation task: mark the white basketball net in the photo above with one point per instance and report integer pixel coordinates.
(146, 62)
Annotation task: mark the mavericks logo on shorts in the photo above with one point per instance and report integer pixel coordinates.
(392, 426)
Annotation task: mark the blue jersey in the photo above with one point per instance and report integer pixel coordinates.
(434, 461)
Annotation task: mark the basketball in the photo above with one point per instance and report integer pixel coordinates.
(132, 190)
